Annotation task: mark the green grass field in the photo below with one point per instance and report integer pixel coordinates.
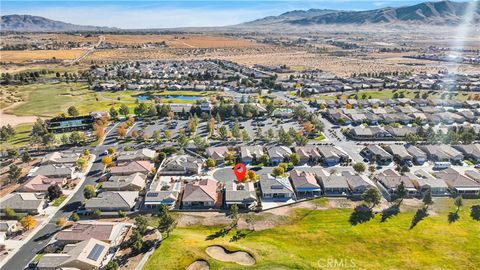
(311, 238)
(54, 98)
(21, 137)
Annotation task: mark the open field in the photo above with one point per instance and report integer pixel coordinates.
(29, 56)
(51, 99)
(312, 237)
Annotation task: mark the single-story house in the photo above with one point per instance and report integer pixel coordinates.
(41, 183)
(305, 183)
(217, 153)
(442, 153)
(276, 188)
(398, 152)
(182, 165)
(108, 232)
(60, 158)
(142, 166)
(23, 203)
(470, 151)
(53, 171)
(458, 183)
(278, 154)
(390, 180)
(113, 201)
(201, 194)
(377, 153)
(419, 157)
(424, 181)
(356, 183)
(249, 154)
(137, 155)
(88, 254)
(241, 194)
(132, 182)
(335, 185)
(163, 194)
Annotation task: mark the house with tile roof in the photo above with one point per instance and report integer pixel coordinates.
(132, 182)
(305, 183)
(142, 166)
(41, 183)
(201, 194)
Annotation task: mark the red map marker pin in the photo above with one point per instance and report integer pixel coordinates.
(240, 170)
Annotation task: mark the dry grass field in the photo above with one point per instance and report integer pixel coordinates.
(29, 56)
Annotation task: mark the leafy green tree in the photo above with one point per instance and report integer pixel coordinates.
(113, 112)
(14, 172)
(211, 163)
(54, 191)
(75, 217)
(141, 224)
(223, 132)
(136, 241)
(359, 167)
(372, 197)
(89, 192)
(294, 158)
(124, 110)
(72, 111)
(245, 136)
(264, 159)
(112, 265)
(234, 215)
(278, 171)
(10, 213)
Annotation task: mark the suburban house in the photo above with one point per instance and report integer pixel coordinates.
(278, 154)
(60, 158)
(217, 153)
(53, 171)
(305, 183)
(111, 233)
(356, 183)
(474, 174)
(132, 182)
(241, 194)
(137, 155)
(335, 185)
(458, 183)
(308, 154)
(399, 152)
(182, 165)
(276, 188)
(249, 154)
(41, 184)
(163, 192)
(470, 151)
(368, 133)
(201, 194)
(23, 203)
(442, 153)
(390, 180)
(424, 181)
(88, 254)
(419, 157)
(331, 155)
(142, 166)
(113, 201)
(376, 153)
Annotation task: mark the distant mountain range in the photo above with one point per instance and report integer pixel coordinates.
(429, 13)
(29, 23)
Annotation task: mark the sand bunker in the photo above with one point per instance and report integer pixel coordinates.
(221, 254)
(199, 265)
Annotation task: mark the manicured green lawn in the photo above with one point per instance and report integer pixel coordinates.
(54, 98)
(310, 238)
(59, 200)
(21, 137)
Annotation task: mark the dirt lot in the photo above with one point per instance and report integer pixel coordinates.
(8, 188)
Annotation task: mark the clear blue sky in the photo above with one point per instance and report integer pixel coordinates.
(160, 14)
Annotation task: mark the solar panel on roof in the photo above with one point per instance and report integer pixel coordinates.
(95, 253)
